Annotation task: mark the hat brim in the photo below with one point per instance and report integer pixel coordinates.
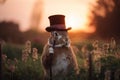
(50, 29)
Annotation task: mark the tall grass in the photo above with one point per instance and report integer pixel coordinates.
(32, 70)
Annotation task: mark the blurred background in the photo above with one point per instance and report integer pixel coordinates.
(95, 28)
(22, 20)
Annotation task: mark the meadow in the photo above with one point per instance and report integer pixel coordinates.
(22, 62)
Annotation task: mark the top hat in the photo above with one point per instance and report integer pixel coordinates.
(57, 23)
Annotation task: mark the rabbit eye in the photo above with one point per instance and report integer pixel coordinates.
(56, 34)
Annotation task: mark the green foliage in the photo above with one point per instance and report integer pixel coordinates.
(12, 51)
(32, 70)
(83, 74)
(110, 63)
(87, 43)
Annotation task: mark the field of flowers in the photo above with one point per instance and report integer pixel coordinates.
(23, 62)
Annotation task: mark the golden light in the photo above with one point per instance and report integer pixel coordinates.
(77, 22)
(75, 11)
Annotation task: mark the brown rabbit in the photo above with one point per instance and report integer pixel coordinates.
(58, 55)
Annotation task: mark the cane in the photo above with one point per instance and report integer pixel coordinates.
(51, 55)
(51, 52)
(0, 62)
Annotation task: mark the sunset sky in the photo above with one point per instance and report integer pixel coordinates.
(76, 12)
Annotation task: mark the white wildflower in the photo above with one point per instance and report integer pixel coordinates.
(112, 44)
(28, 46)
(24, 55)
(35, 54)
(95, 44)
(4, 57)
(106, 47)
(84, 49)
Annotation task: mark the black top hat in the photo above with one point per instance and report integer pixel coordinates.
(57, 23)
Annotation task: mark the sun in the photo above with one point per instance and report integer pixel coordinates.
(77, 22)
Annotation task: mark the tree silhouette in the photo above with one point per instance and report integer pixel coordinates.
(9, 32)
(2, 1)
(106, 18)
